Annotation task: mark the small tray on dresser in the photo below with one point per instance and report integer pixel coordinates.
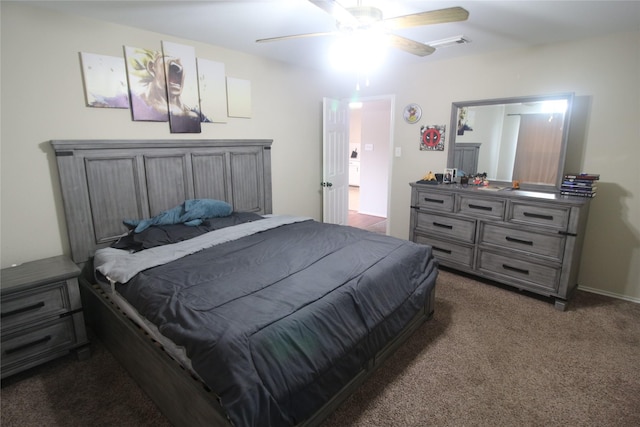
(41, 314)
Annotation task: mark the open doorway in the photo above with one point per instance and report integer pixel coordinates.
(370, 145)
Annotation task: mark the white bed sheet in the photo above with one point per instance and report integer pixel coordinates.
(175, 351)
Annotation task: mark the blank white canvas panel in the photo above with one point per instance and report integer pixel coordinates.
(239, 97)
(213, 90)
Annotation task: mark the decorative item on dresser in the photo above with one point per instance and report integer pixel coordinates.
(525, 239)
(41, 314)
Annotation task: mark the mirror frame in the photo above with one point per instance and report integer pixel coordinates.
(568, 96)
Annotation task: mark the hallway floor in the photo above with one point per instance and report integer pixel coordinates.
(376, 224)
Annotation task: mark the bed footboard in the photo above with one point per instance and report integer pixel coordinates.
(184, 400)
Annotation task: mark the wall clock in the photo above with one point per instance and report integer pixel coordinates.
(412, 113)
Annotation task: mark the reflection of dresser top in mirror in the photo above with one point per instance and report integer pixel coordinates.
(526, 239)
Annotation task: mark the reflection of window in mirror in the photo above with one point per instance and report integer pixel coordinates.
(539, 145)
(539, 142)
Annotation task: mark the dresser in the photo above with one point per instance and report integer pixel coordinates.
(41, 314)
(525, 239)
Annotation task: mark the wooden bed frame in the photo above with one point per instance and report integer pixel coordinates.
(103, 182)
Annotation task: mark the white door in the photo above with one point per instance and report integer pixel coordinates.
(335, 161)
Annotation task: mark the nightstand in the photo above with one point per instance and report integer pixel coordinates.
(41, 314)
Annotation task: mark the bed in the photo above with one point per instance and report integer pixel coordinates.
(246, 318)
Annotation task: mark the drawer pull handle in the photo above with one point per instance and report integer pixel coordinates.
(480, 207)
(437, 224)
(517, 270)
(29, 344)
(446, 251)
(22, 309)
(426, 199)
(524, 242)
(539, 216)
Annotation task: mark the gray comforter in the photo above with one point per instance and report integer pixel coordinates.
(278, 320)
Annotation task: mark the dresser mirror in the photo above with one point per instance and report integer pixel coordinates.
(520, 139)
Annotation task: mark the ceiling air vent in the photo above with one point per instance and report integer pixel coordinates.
(451, 41)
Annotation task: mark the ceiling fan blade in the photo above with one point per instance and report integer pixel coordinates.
(411, 46)
(295, 36)
(441, 16)
(333, 8)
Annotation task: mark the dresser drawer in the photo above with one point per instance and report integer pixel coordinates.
(482, 208)
(455, 228)
(30, 346)
(448, 252)
(23, 307)
(525, 272)
(546, 245)
(556, 217)
(443, 202)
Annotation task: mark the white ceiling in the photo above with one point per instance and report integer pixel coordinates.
(492, 25)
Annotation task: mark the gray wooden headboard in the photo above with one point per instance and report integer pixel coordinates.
(104, 182)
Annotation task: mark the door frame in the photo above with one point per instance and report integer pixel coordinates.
(390, 151)
(390, 154)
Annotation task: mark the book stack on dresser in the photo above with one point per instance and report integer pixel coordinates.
(580, 184)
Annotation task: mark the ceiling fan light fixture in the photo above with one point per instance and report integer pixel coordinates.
(451, 41)
(366, 14)
(358, 19)
(360, 51)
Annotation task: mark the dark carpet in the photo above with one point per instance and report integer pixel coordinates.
(489, 357)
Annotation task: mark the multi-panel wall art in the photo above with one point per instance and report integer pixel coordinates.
(167, 85)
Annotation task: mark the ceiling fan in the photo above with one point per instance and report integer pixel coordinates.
(359, 18)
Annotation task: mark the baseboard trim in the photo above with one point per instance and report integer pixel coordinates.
(609, 294)
(383, 218)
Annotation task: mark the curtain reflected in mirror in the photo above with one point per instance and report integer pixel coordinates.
(539, 147)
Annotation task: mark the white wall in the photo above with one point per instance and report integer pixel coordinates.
(42, 99)
(374, 164)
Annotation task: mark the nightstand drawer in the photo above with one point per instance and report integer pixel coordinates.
(537, 243)
(31, 346)
(456, 228)
(41, 313)
(528, 273)
(482, 208)
(37, 303)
